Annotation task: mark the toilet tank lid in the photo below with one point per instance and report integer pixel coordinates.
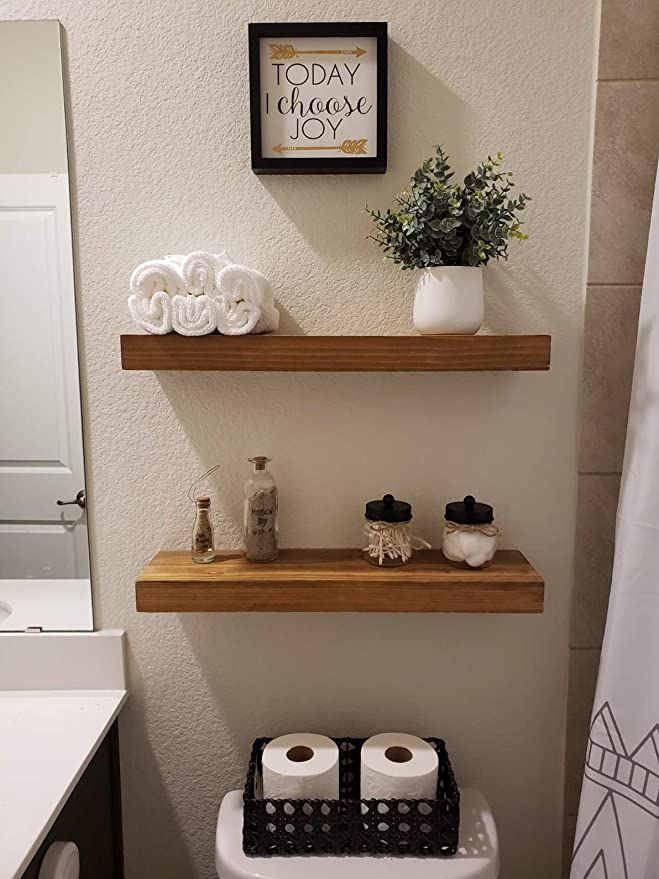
(477, 856)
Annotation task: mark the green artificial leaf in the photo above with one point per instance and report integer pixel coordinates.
(444, 223)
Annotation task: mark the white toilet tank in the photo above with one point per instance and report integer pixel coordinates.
(477, 856)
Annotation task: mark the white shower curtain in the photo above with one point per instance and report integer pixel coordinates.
(618, 828)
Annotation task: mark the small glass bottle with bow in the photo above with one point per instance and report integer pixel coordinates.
(203, 542)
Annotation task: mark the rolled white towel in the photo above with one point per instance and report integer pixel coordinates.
(153, 314)
(245, 302)
(269, 320)
(177, 258)
(201, 270)
(157, 275)
(221, 259)
(193, 315)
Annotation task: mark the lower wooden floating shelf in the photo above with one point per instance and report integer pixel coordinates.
(274, 353)
(337, 580)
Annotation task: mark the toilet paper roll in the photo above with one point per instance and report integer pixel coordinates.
(397, 766)
(301, 766)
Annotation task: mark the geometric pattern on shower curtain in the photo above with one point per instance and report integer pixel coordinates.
(620, 794)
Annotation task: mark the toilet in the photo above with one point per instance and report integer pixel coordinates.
(477, 856)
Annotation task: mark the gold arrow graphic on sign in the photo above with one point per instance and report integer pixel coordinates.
(349, 147)
(286, 51)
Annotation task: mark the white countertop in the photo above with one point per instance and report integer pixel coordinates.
(48, 736)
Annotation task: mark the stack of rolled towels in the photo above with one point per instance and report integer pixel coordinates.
(200, 293)
(394, 766)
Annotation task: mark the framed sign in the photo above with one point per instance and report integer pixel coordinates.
(318, 98)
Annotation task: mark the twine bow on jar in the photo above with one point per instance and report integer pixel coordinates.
(391, 540)
(489, 530)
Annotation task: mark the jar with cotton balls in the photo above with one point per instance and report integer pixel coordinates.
(470, 533)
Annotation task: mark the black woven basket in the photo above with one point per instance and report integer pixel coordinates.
(350, 826)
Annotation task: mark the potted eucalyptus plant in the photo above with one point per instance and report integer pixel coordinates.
(450, 231)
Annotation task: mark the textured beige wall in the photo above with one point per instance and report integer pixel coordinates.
(33, 139)
(160, 141)
(624, 170)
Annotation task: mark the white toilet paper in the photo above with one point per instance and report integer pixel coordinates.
(301, 766)
(398, 766)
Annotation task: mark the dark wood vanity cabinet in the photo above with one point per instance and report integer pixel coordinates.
(91, 817)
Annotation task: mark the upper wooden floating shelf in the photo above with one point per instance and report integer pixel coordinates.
(272, 353)
(337, 580)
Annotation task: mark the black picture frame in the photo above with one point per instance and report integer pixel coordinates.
(349, 165)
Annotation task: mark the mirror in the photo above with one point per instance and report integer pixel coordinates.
(44, 550)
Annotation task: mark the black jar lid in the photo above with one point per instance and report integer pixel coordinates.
(469, 512)
(388, 510)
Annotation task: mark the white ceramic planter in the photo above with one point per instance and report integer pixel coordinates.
(449, 301)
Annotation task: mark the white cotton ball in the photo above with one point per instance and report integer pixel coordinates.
(477, 560)
(451, 547)
(471, 543)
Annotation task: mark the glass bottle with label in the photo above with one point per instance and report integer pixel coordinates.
(260, 524)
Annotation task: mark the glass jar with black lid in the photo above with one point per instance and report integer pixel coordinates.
(470, 534)
(387, 539)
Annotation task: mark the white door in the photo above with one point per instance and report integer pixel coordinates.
(41, 457)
